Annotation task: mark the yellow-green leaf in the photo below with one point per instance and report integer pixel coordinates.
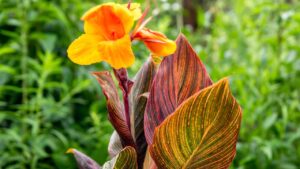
(126, 159)
(201, 133)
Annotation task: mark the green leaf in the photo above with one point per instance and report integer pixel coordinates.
(201, 133)
(142, 84)
(83, 161)
(114, 107)
(178, 77)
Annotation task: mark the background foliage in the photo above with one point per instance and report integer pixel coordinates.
(48, 104)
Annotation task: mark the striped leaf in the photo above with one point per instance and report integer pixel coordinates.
(178, 77)
(201, 133)
(138, 100)
(115, 108)
(149, 162)
(126, 159)
(83, 161)
(115, 145)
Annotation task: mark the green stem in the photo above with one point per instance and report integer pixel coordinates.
(279, 32)
(24, 50)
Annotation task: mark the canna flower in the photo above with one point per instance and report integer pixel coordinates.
(107, 36)
(156, 42)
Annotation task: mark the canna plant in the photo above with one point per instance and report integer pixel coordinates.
(171, 114)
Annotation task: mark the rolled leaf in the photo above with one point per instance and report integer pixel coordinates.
(201, 133)
(115, 109)
(126, 159)
(115, 145)
(125, 84)
(83, 161)
(179, 76)
(138, 100)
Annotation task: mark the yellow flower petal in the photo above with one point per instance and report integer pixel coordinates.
(135, 9)
(84, 50)
(156, 42)
(110, 20)
(117, 53)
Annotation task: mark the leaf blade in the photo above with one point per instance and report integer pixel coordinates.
(126, 159)
(179, 76)
(201, 133)
(149, 162)
(115, 145)
(138, 100)
(115, 109)
(83, 161)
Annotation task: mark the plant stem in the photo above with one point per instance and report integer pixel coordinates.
(24, 51)
(279, 31)
(125, 84)
(126, 107)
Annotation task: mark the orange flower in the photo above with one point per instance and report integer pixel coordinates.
(107, 38)
(157, 42)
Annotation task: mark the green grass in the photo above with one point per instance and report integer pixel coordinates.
(48, 104)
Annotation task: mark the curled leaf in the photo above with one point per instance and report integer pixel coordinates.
(115, 109)
(125, 84)
(138, 100)
(115, 145)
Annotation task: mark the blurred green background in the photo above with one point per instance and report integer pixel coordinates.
(48, 104)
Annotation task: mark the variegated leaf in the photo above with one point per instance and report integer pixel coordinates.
(115, 145)
(142, 84)
(201, 133)
(83, 161)
(126, 159)
(149, 162)
(179, 76)
(115, 109)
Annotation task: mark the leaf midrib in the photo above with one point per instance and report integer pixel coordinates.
(197, 148)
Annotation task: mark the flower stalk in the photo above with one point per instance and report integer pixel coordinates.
(125, 84)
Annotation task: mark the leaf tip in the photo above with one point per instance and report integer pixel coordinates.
(225, 81)
(98, 74)
(223, 84)
(94, 73)
(181, 36)
(70, 151)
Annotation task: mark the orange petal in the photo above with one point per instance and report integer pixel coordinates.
(126, 16)
(110, 20)
(117, 53)
(84, 51)
(157, 42)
